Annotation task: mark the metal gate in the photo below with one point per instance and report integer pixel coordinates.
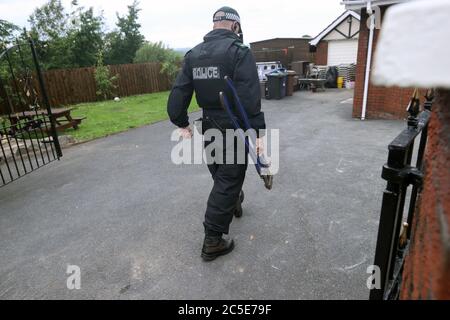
(394, 231)
(28, 138)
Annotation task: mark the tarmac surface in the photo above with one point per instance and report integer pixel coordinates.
(131, 220)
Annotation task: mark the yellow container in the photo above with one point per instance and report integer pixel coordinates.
(340, 82)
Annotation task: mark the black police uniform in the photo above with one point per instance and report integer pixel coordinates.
(221, 54)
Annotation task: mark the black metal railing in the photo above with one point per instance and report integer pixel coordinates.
(394, 231)
(28, 138)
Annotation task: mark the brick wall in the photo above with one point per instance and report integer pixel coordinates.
(321, 57)
(382, 103)
(427, 269)
(297, 50)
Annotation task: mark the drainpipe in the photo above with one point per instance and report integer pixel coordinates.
(369, 58)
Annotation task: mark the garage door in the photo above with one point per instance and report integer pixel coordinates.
(343, 51)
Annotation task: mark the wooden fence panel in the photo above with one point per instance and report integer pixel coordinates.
(142, 78)
(72, 86)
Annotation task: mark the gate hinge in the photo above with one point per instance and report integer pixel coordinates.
(407, 175)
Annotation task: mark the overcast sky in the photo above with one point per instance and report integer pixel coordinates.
(182, 24)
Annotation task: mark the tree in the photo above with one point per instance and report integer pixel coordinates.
(151, 52)
(87, 39)
(123, 43)
(157, 52)
(171, 65)
(50, 26)
(66, 40)
(8, 32)
(50, 21)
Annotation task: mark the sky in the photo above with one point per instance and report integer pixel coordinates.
(182, 24)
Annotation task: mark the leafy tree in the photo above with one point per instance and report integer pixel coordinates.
(87, 39)
(8, 32)
(151, 52)
(66, 40)
(171, 65)
(104, 80)
(123, 43)
(72, 38)
(49, 30)
(157, 52)
(50, 21)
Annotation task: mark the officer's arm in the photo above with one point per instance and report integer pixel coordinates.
(181, 96)
(246, 81)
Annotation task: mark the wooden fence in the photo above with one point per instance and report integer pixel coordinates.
(72, 86)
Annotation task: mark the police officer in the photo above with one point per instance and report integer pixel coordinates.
(221, 54)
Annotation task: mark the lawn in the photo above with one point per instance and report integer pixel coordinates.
(109, 117)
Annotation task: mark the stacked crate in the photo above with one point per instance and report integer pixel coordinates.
(348, 72)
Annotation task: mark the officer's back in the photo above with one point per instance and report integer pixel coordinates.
(210, 62)
(205, 66)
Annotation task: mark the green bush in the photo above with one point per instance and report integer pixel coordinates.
(171, 66)
(151, 52)
(158, 52)
(104, 80)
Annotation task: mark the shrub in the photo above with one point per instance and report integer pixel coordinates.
(104, 80)
(158, 52)
(151, 52)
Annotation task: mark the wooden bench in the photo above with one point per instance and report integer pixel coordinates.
(61, 116)
(66, 123)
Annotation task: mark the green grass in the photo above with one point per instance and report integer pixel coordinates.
(109, 117)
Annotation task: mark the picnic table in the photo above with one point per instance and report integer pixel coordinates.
(61, 116)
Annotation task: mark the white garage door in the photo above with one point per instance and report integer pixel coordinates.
(342, 51)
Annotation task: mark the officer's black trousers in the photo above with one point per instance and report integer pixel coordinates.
(228, 182)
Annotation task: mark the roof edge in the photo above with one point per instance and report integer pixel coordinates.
(333, 25)
(359, 4)
(307, 39)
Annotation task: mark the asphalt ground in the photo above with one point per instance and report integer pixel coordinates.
(131, 220)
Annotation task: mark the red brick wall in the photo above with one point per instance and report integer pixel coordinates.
(299, 52)
(382, 103)
(427, 269)
(321, 57)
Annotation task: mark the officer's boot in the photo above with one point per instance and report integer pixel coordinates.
(238, 211)
(216, 246)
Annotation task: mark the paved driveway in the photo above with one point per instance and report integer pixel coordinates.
(132, 221)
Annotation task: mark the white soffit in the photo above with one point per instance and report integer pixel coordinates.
(414, 47)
